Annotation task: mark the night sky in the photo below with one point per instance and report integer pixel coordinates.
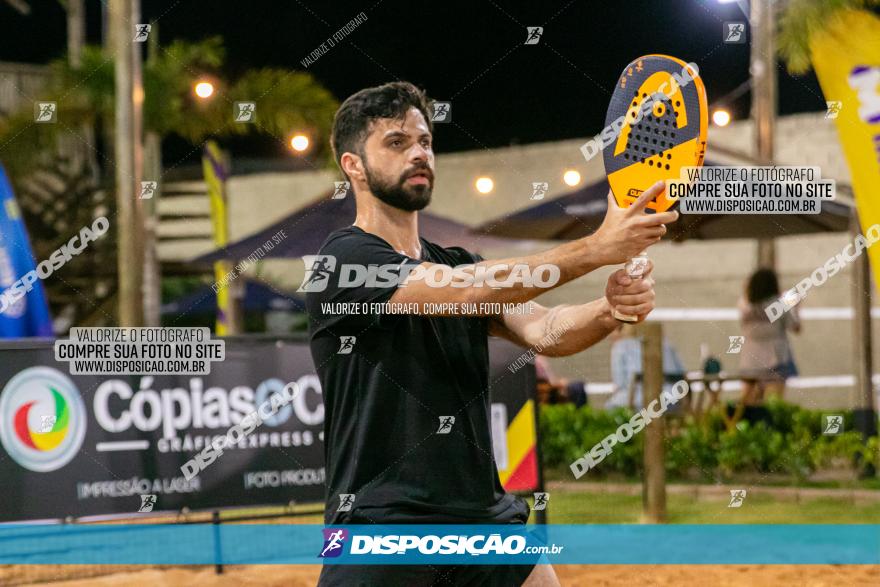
(472, 53)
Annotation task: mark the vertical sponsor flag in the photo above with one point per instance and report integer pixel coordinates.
(514, 442)
(846, 56)
(216, 172)
(29, 315)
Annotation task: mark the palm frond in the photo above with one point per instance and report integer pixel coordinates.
(801, 20)
(285, 101)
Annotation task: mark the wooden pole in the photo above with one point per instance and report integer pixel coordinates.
(766, 253)
(76, 31)
(152, 266)
(652, 387)
(763, 70)
(152, 172)
(129, 98)
(84, 149)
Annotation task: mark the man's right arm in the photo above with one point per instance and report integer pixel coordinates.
(623, 234)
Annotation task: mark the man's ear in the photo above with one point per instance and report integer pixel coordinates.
(353, 166)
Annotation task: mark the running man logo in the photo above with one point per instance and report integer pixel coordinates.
(318, 274)
(346, 345)
(47, 422)
(45, 112)
(734, 32)
(340, 190)
(442, 112)
(446, 423)
(833, 425)
(245, 111)
(148, 189)
(346, 500)
(541, 500)
(539, 190)
(834, 107)
(637, 266)
(333, 541)
(533, 34)
(141, 32)
(147, 503)
(737, 497)
(735, 344)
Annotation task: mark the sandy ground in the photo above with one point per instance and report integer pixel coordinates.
(573, 575)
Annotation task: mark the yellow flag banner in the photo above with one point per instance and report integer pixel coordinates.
(846, 57)
(216, 172)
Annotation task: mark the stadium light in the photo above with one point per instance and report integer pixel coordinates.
(484, 185)
(721, 117)
(204, 90)
(571, 177)
(299, 142)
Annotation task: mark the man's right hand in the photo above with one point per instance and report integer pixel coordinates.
(626, 232)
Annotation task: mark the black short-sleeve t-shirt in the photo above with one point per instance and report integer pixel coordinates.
(388, 390)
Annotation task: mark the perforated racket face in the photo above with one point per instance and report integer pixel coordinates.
(664, 127)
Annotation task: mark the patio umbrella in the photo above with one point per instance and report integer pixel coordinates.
(580, 213)
(258, 297)
(308, 228)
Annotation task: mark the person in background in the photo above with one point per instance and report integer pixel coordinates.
(626, 362)
(557, 390)
(766, 360)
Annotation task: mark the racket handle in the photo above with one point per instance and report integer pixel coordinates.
(635, 268)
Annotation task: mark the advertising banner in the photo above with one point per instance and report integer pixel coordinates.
(90, 445)
(845, 53)
(446, 544)
(216, 171)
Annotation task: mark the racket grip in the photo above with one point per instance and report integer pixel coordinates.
(635, 268)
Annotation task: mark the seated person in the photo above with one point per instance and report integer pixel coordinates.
(557, 390)
(626, 362)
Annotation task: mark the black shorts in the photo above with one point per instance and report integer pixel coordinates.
(424, 575)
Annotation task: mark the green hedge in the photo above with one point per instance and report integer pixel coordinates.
(792, 443)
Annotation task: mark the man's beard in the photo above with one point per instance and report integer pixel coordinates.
(410, 198)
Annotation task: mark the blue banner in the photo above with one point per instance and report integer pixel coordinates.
(27, 315)
(171, 544)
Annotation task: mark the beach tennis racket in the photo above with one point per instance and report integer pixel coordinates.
(659, 104)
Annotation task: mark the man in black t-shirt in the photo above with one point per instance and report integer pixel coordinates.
(400, 340)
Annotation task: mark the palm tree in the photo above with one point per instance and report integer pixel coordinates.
(56, 188)
(85, 94)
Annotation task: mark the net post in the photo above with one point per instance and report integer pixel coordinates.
(218, 550)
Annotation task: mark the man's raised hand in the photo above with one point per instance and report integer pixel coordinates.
(626, 232)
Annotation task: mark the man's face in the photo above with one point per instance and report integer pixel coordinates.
(399, 161)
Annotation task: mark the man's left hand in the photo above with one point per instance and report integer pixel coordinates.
(633, 297)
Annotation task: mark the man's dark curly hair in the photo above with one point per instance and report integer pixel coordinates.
(352, 122)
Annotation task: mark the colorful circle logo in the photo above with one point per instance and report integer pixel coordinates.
(42, 419)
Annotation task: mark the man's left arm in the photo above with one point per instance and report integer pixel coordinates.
(568, 329)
